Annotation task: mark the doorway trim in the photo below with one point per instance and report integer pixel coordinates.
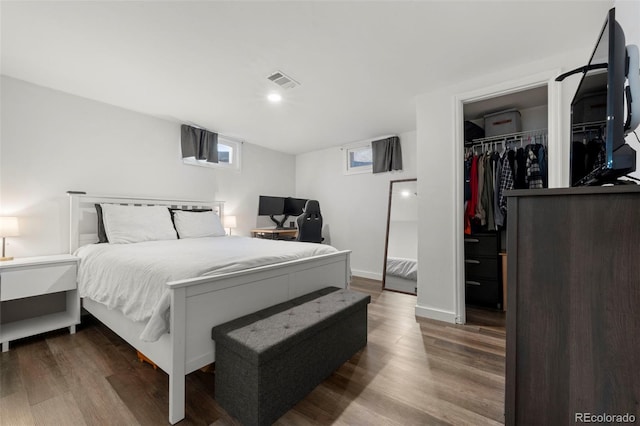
(556, 155)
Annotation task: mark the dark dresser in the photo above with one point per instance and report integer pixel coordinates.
(482, 268)
(573, 323)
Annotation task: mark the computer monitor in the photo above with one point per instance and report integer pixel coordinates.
(294, 206)
(276, 206)
(270, 206)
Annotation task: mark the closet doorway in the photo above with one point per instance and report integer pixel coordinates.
(505, 146)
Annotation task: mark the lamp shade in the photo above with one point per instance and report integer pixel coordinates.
(230, 222)
(9, 226)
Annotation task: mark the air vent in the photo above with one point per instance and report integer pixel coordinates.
(283, 80)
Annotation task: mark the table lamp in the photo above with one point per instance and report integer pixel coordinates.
(8, 228)
(230, 222)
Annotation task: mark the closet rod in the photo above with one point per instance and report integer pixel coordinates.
(538, 132)
(589, 124)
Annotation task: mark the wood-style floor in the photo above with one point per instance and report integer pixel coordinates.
(412, 372)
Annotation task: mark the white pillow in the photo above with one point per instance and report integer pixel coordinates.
(133, 224)
(197, 224)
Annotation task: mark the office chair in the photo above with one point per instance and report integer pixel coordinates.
(310, 223)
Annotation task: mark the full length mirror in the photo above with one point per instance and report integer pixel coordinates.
(400, 272)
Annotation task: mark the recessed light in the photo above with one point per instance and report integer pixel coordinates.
(405, 193)
(274, 97)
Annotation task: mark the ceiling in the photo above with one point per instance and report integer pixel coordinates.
(360, 64)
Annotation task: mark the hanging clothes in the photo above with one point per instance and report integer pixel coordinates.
(593, 149)
(490, 174)
(542, 162)
(467, 176)
(471, 204)
(595, 154)
(578, 161)
(487, 193)
(506, 180)
(533, 175)
(520, 170)
(480, 211)
(498, 215)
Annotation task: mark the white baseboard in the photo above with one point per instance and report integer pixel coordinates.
(367, 274)
(435, 314)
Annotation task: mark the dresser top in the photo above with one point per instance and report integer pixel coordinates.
(581, 190)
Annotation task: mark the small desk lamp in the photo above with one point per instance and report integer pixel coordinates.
(230, 222)
(8, 228)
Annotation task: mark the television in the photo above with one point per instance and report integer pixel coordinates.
(599, 154)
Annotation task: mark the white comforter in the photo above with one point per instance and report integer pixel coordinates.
(131, 277)
(401, 267)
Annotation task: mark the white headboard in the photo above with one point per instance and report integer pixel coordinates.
(83, 226)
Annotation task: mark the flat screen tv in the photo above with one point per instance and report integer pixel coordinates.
(599, 154)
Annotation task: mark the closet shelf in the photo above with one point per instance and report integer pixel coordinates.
(508, 137)
(590, 125)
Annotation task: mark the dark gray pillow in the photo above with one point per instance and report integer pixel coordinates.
(102, 234)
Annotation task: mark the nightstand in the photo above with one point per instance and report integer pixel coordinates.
(38, 294)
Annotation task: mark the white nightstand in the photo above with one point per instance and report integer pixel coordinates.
(22, 280)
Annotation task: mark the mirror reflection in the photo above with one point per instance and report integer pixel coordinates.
(401, 248)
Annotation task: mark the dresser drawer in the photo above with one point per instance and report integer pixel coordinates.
(16, 283)
(483, 292)
(486, 267)
(481, 245)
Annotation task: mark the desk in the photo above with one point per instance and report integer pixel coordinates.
(275, 234)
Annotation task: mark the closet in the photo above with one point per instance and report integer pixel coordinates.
(506, 142)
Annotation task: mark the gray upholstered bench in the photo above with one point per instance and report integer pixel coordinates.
(268, 361)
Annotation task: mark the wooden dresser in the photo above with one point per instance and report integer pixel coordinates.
(573, 324)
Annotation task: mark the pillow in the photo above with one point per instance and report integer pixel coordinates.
(191, 224)
(174, 210)
(102, 234)
(133, 224)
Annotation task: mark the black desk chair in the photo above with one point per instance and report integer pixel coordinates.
(310, 223)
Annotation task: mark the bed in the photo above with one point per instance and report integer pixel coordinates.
(194, 304)
(401, 275)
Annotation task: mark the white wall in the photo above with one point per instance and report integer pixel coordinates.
(439, 226)
(354, 207)
(628, 15)
(52, 142)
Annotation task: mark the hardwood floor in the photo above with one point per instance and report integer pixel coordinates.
(412, 372)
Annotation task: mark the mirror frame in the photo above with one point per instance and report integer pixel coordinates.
(386, 238)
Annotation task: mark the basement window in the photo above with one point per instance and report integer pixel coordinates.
(358, 159)
(229, 155)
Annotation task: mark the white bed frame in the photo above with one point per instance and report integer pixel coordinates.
(198, 304)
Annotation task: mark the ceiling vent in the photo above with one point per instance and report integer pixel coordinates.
(283, 80)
